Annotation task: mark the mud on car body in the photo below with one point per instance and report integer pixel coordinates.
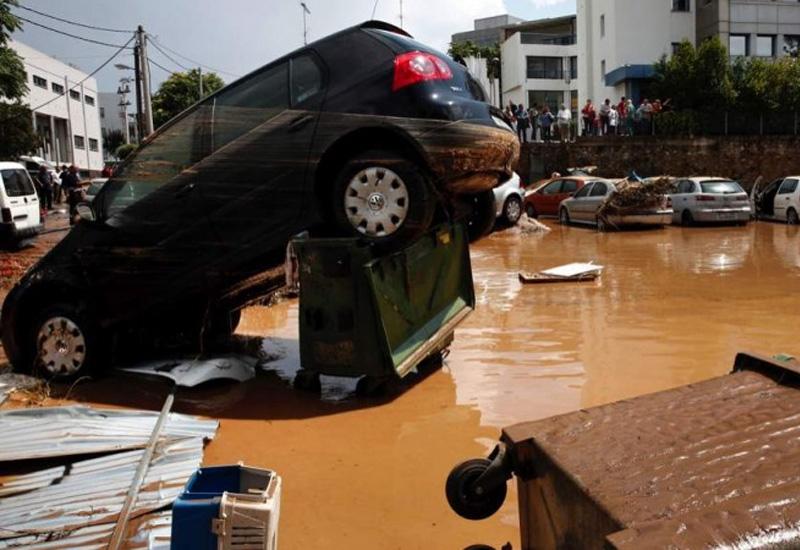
(365, 133)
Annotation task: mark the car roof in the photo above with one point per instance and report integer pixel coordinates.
(698, 179)
(11, 166)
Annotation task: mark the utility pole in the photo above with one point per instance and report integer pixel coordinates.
(137, 69)
(200, 72)
(144, 73)
(306, 11)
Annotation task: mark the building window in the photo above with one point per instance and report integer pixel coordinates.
(603, 70)
(545, 67)
(57, 88)
(675, 47)
(738, 45)
(39, 81)
(765, 46)
(573, 67)
(88, 99)
(74, 94)
(79, 143)
(540, 98)
(102, 112)
(602, 26)
(791, 44)
(681, 5)
(93, 144)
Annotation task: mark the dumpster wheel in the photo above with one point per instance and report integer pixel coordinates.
(469, 501)
(371, 386)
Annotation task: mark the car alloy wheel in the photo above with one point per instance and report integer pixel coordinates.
(376, 202)
(61, 347)
(792, 218)
(512, 210)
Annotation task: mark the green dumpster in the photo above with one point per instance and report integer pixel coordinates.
(375, 315)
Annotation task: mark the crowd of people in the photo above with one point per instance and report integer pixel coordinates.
(53, 191)
(538, 123)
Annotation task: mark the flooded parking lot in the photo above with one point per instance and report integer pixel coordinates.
(672, 307)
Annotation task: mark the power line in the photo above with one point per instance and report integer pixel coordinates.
(192, 61)
(90, 75)
(160, 66)
(375, 7)
(71, 35)
(106, 29)
(165, 54)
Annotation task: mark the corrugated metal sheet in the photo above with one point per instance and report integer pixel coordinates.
(74, 430)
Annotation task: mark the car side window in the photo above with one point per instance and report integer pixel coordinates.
(584, 192)
(599, 189)
(788, 187)
(686, 186)
(552, 188)
(570, 186)
(306, 80)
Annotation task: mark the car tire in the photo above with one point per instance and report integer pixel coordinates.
(563, 216)
(65, 343)
(687, 220)
(397, 209)
(792, 217)
(482, 215)
(531, 212)
(512, 210)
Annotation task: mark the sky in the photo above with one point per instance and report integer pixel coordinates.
(237, 36)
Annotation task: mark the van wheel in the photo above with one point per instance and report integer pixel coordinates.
(791, 217)
(383, 197)
(563, 216)
(65, 343)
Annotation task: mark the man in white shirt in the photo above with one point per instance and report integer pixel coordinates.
(564, 119)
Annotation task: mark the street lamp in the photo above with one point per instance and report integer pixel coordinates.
(122, 67)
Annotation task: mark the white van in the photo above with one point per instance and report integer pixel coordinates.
(20, 217)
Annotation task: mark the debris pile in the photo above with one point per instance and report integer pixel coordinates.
(633, 196)
(530, 225)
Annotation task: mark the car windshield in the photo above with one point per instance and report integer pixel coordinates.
(17, 183)
(721, 187)
(94, 188)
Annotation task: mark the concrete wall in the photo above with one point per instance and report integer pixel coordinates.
(740, 158)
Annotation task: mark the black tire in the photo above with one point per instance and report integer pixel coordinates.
(370, 386)
(482, 217)
(463, 500)
(85, 352)
(791, 217)
(419, 210)
(512, 210)
(563, 216)
(687, 220)
(531, 211)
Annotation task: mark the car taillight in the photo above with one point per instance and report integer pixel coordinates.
(413, 67)
(6, 215)
(705, 198)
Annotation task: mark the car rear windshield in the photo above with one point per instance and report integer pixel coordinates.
(17, 182)
(721, 187)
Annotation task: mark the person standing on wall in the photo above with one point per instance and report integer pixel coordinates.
(605, 110)
(588, 114)
(546, 122)
(613, 121)
(523, 122)
(533, 117)
(564, 121)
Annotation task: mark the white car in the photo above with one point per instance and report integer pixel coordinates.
(508, 200)
(32, 165)
(20, 217)
(709, 200)
(779, 200)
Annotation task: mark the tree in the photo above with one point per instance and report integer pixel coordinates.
(16, 121)
(113, 140)
(180, 91)
(460, 51)
(123, 151)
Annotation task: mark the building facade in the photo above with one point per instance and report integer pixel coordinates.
(65, 106)
(762, 28)
(114, 116)
(488, 31)
(620, 40)
(540, 63)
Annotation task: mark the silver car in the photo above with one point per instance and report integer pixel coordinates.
(508, 200)
(585, 205)
(710, 200)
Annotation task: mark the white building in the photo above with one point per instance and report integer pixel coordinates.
(114, 116)
(620, 40)
(540, 63)
(66, 113)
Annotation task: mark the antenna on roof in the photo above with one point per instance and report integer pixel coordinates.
(306, 11)
(374, 7)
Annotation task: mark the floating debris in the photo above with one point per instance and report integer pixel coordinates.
(529, 225)
(189, 373)
(563, 274)
(11, 382)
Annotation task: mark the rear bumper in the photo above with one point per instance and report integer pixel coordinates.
(661, 217)
(722, 215)
(9, 231)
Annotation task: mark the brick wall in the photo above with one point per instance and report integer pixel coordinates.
(740, 158)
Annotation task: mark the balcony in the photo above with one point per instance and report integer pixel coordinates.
(548, 39)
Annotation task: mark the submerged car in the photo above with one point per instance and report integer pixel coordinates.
(591, 204)
(709, 200)
(365, 133)
(779, 200)
(547, 197)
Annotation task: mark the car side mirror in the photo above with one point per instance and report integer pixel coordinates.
(85, 212)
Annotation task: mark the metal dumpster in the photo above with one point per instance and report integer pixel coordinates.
(709, 465)
(367, 314)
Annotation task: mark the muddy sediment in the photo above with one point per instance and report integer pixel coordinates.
(672, 307)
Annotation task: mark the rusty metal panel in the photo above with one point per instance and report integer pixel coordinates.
(704, 465)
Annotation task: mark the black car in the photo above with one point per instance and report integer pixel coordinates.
(365, 132)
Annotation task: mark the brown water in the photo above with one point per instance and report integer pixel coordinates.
(672, 307)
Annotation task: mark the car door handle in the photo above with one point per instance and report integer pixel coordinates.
(300, 122)
(183, 191)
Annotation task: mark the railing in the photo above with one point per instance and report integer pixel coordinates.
(548, 39)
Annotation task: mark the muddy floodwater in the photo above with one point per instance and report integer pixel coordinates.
(672, 307)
